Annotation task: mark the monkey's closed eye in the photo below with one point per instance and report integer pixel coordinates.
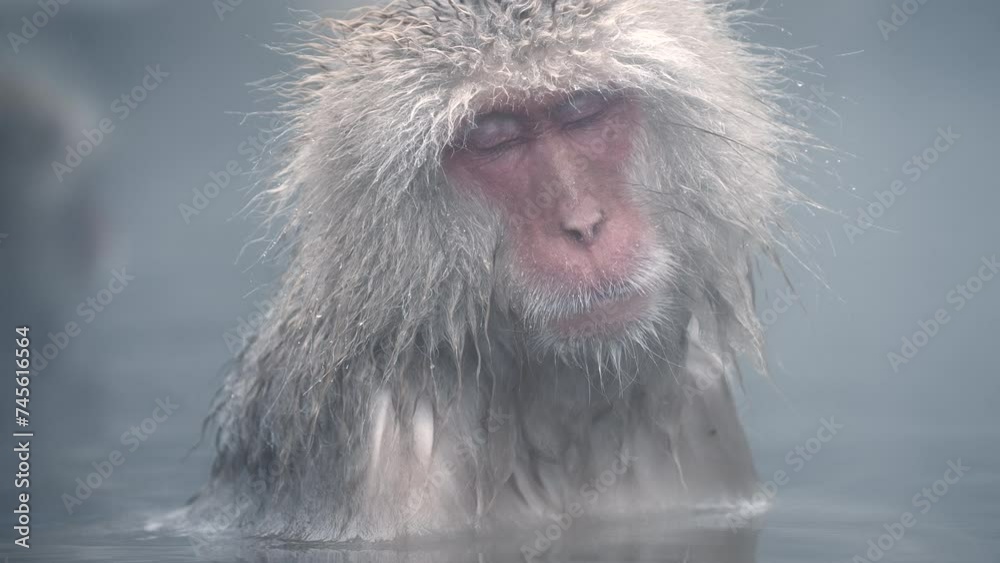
(582, 108)
(493, 132)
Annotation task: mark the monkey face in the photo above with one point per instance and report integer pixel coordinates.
(581, 261)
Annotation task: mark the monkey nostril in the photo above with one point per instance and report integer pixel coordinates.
(596, 229)
(584, 230)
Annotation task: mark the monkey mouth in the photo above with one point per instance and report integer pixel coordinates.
(606, 313)
(621, 306)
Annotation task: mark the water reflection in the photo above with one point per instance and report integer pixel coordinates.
(666, 540)
(634, 541)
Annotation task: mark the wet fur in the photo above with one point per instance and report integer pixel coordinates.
(398, 339)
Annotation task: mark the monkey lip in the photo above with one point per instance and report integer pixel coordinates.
(606, 314)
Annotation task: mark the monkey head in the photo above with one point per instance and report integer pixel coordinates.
(586, 170)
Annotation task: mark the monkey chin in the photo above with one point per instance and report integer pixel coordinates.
(606, 330)
(606, 318)
(628, 313)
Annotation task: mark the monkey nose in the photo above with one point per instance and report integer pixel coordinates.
(582, 223)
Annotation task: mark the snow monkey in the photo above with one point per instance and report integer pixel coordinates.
(522, 237)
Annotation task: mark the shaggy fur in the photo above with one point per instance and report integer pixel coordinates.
(396, 387)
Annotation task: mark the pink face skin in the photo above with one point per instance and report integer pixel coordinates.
(556, 168)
